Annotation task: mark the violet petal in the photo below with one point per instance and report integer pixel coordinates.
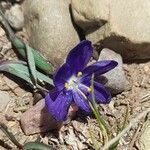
(79, 56)
(61, 76)
(48, 99)
(59, 108)
(81, 101)
(52, 94)
(84, 88)
(102, 95)
(100, 67)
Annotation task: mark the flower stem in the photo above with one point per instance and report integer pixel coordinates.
(100, 121)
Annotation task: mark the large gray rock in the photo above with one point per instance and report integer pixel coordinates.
(50, 30)
(115, 80)
(126, 29)
(15, 17)
(88, 15)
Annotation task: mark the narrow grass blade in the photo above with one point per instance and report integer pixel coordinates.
(31, 63)
(36, 146)
(5, 130)
(114, 145)
(100, 121)
(40, 61)
(126, 117)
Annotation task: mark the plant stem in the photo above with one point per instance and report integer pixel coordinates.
(100, 122)
(95, 110)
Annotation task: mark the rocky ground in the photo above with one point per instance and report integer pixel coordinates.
(129, 83)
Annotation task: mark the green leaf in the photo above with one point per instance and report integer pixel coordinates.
(20, 69)
(36, 146)
(20, 46)
(16, 68)
(46, 79)
(31, 63)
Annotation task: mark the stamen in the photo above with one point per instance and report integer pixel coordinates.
(89, 89)
(82, 94)
(79, 74)
(66, 85)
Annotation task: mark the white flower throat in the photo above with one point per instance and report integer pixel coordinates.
(74, 82)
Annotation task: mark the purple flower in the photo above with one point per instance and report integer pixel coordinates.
(73, 82)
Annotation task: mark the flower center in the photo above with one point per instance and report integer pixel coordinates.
(74, 82)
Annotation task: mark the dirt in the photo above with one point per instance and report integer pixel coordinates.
(76, 135)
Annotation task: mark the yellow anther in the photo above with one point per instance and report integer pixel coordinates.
(89, 89)
(66, 85)
(79, 74)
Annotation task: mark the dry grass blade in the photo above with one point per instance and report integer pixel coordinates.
(4, 128)
(134, 137)
(129, 126)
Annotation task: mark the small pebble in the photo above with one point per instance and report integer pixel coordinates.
(2, 32)
(4, 100)
(146, 68)
(15, 17)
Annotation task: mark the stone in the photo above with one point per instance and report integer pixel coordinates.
(2, 32)
(126, 28)
(143, 142)
(50, 29)
(10, 83)
(115, 80)
(2, 148)
(15, 17)
(38, 120)
(88, 15)
(3, 118)
(4, 100)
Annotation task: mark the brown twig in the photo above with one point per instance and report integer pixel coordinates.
(145, 98)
